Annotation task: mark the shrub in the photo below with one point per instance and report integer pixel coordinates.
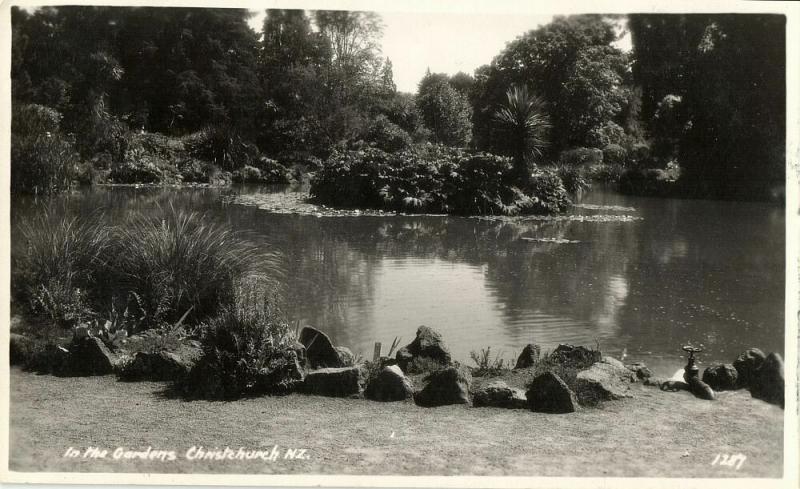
(605, 135)
(639, 155)
(614, 154)
(386, 136)
(649, 182)
(247, 349)
(101, 132)
(59, 263)
(605, 173)
(580, 156)
(434, 179)
(177, 262)
(551, 196)
(138, 166)
(223, 146)
(573, 178)
(42, 160)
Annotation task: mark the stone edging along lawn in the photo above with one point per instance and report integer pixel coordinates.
(566, 380)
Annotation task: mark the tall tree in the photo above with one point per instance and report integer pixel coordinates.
(444, 110)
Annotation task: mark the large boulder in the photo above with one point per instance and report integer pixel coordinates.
(769, 382)
(549, 394)
(319, 350)
(603, 382)
(159, 366)
(390, 385)
(747, 364)
(499, 394)
(528, 357)
(346, 357)
(90, 356)
(428, 345)
(577, 356)
(449, 385)
(721, 377)
(335, 382)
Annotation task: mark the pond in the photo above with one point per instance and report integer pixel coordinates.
(708, 273)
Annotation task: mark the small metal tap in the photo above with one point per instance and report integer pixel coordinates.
(691, 371)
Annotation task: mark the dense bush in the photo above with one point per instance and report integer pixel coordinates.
(247, 349)
(265, 170)
(435, 179)
(573, 178)
(222, 145)
(580, 156)
(152, 269)
(174, 263)
(386, 136)
(614, 154)
(649, 182)
(58, 264)
(42, 159)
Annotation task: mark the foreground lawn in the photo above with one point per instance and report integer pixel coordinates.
(657, 434)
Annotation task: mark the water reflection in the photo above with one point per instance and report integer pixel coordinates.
(698, 271)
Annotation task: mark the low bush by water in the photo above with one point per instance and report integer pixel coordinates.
(147, 271)
(435, 179)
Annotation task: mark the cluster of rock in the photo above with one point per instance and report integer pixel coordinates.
(422, 371)
(762, 374)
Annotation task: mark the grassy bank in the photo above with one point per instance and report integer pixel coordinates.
(656, 434)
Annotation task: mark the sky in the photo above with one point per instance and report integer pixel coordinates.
(446, 42)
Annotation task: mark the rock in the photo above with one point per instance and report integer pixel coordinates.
(499, 394)
(428, 344)
(335, 382)
(549, 394)
(19, 349)
(577, 356)
(747, 364)
(404, 358)
(90, 356)
(346, 357)
(529, 356)
(603, 382)
(319, 349)
(721, 377)
(701, 389)
(640, 370)
(673, 385)
(447, 386)
(612, 361)
(390, 385)
(769, 382)
(158, 366)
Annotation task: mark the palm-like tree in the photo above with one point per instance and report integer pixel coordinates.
(524, 120)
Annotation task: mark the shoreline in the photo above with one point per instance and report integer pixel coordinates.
(655, 434)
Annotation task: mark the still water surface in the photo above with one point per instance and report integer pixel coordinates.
(690, 271)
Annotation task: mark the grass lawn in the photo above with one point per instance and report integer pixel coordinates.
(656, 434)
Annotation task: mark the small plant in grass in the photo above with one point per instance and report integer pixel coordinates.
(486, 365)
(247, 348)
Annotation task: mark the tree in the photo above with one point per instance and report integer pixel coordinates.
(444, 110)
(576, 70)
(525, 123)
(725, 76)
